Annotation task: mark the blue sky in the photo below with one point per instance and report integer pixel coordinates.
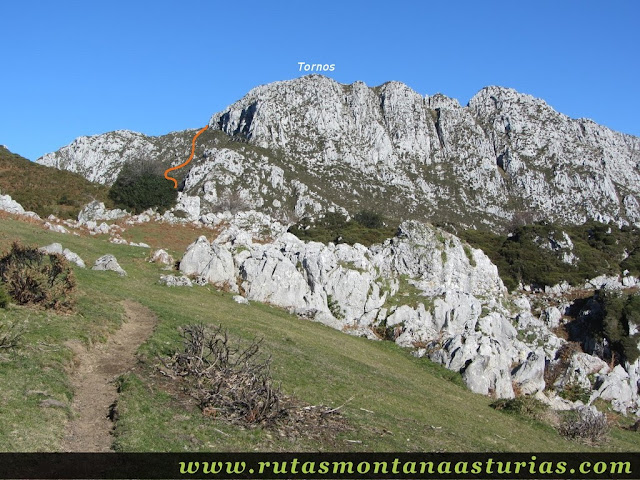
(83, 68)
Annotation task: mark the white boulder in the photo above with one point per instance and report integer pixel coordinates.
(10, 205)
(96, 211)
(109, 262)
(240, 299)
(162, 257)
(175, 281)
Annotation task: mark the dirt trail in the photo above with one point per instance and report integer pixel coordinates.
(95, 370)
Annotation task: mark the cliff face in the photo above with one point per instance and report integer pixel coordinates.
(309, 144)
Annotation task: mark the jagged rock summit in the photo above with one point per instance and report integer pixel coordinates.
(303, 146)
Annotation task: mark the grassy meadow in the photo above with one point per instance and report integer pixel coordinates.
(388, 400)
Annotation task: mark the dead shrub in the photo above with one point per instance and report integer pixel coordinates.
(33, 277)
(233, 202)
(586, 424)
(227, 381)
(5, 299)
(555, 369)
(10, 335)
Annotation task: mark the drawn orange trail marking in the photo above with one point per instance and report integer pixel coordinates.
(193, 149)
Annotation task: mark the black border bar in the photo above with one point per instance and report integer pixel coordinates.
(367, 465)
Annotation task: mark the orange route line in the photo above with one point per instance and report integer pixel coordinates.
(193, 150)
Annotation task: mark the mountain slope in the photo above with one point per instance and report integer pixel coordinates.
(46, 190)
(301, 146)
(392, 401)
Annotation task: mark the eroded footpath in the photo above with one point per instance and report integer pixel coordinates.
(93, 377)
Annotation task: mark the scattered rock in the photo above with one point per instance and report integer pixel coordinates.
(615, 388)
(117, 240)
(53, 248)
(109, 262)
(102, 229)
(175, 281)
(52, 403)
(10, 205)
(33, 215)
(73, 257)
(604, 282)
(139, 244)
(55, 228)
(211, 262)
(240, 299)
(551, 316)
(68, 254)
(529, 376)
(96, 211)
(162, 257)
(187, 207)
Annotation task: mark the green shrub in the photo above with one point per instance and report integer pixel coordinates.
(334, 307)
(367, 228)
(5, 299)
(574, 392)
(469, 254)
(33, 277)
(619, 311)
(525, 406)
(140, 186)
(369, 219)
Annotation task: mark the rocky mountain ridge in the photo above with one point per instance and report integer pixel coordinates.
(304, 146)
(425, 290)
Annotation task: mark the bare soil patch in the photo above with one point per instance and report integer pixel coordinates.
(95, 370)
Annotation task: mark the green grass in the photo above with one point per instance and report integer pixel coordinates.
(391, 400)
(408, 294)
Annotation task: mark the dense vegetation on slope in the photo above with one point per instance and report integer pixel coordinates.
(540, 254)
(46, 190)
(612, 315)
(366, 227)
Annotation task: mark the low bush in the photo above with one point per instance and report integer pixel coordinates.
(33, 277)
(575, 392)
(553, 370)
(10, 335)
(366, 228)
(526, 406)
(5, 299)
(585, 423)
(228, 382)
(369, 219)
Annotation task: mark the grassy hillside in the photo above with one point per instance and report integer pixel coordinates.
(389, 400)
(46, 190)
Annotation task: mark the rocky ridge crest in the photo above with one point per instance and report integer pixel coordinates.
(293, 148)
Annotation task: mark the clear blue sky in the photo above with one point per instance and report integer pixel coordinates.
(82, 68)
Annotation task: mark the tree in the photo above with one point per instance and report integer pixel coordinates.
(141, 185)
(369, 219)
